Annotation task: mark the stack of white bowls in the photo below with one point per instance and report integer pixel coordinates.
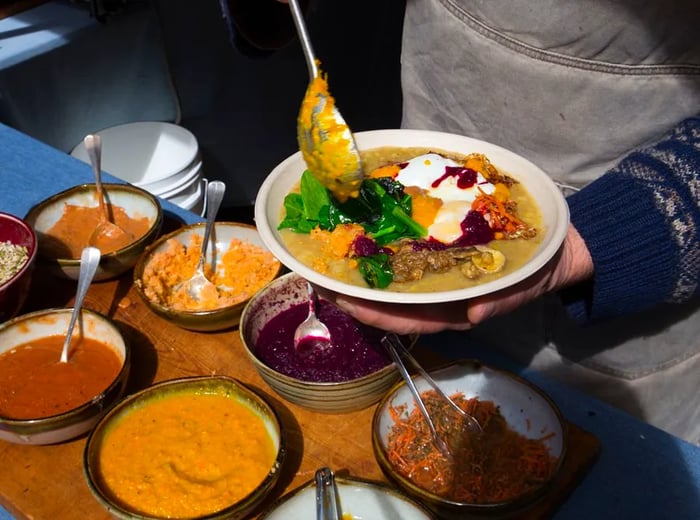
(162, 158)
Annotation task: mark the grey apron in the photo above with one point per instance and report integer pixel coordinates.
(572, 86)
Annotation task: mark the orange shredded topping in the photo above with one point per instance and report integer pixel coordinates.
(243, 269)
(495, 466)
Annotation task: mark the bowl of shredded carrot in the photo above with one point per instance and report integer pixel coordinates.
(497, 473)
(238, 266)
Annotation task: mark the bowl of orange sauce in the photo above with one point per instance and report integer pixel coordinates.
(45, 401)
(65, 222)
(195, 447)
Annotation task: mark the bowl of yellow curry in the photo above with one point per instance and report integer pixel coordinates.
(197, 447)
(65, 223)
(439, 217)
(238, 266)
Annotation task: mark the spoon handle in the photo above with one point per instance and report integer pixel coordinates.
(93, 146)
(89, 260)
(298, 17)
(215, 194)
(327, 507)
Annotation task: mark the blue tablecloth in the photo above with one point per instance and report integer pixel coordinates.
(642, 472)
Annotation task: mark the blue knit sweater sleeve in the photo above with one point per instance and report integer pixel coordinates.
(641, 223)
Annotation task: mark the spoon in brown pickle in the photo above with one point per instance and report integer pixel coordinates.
(107, 235)
(311, 334)
(89, 260)
(198, 284)
(469, 424)
(324, 138)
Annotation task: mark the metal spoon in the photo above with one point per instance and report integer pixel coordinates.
(107, 235)
(327, 503)
(89, 260)
(439, 442)
(325, 140)
(469, 422)
(311, 334)
(198, 283)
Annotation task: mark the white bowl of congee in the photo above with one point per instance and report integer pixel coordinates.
(439, 217)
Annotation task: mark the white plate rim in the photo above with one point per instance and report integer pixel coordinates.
(525, 170)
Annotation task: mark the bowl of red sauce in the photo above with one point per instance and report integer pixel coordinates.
(352, 374)
(65, 222)
(18, 247)
(46, 401)
(500, 472)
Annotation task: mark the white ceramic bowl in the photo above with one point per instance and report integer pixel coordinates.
(75, 422)
(359, 499)
(555, 213)
(154, 155)
(526, 409)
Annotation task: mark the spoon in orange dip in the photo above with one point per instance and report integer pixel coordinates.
(325, 140)
(107, 235)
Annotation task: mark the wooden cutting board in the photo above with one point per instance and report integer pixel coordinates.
(46, 482)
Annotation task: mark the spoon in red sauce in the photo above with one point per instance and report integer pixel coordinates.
(311, 334)
(89, 260)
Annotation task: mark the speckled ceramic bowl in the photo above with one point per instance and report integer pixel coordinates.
(14, 290)
(359, 498)
(526, 409)
(136, 202)
(283, 293)
(75, 422)
(217, 385)
(209, 320)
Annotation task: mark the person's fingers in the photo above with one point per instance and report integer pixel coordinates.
(407, 318)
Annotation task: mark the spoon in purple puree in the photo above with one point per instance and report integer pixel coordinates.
(312, 334)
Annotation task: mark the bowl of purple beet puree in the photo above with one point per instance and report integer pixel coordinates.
(353, 373)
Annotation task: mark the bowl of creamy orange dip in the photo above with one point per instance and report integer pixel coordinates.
(195, 447)
(65, 222)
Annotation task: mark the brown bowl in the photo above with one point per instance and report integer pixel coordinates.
(200, 320)
(136, 202)
(526, 409)
(209, 467)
